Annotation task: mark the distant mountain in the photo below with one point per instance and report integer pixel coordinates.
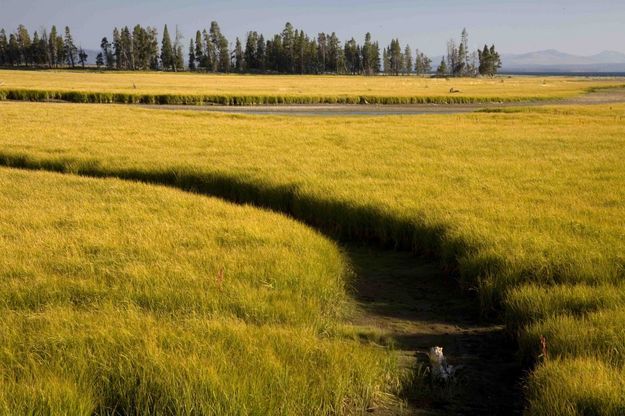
(552, 60)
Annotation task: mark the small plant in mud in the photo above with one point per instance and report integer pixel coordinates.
(439, 369)
(443, 380)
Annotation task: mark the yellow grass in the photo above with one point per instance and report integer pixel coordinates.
(526, 205)
(122, 298)
(300, 89)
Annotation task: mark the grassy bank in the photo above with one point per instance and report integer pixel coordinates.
(527, 206)
(133, 299)
(201, 89)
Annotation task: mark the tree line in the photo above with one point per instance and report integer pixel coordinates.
(291, 51)
(42, 49)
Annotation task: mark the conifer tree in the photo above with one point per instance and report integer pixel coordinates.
(423, 64)
(37, 54)
(108, 58)
(70, 48)
(200, 62)
(52, 52)
(441, 71)
(4, 45)
(61, 57)
(489, 61)
(167, 51)
(407, 60)
(117, 49)
(215, 43)
(224, 55)
(335, 55)
(191, 62)
(238, 56)
(82, 56)
(24, 45)
(178, 53)
(209, 52)
(99, 60)
(13, 50)
(251, 51)
(395, 57)
(261, 53)
(288, 48)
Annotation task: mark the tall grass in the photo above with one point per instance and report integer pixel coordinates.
(124, 298)
(576, 387)
(526, 207)
(200, 89)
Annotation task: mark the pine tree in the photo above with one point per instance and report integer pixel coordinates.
(335, 55)
(209, 52)
(117, 48)
(386, 62)
(489, 61)
(453, 58)
(43, 48)
(251, 52)
(4, 46)
(407, 60)
(61, 56)
(238, 56)
(127, 47)
(52, 52)
(13, 50)
(70, 49)
(140, 48)
(441, 71)
(322, 52)
(352, 56)
(495, 60)
(99, 60)
(288, 48)
(367, 55)
(214, 49)
(200, 62)
(423, 64)
(24, 45)
(152, 45)
(167, 51)
(178, 54)
(108, 58)
(395, 57)
(191, 62)
(82, 56)
(375, 58)
(261, 53)
(224, 55)
(37, 53)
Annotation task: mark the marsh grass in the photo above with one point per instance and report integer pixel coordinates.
(575, 387)
(525, 207)
(121, 298)
(202, 89)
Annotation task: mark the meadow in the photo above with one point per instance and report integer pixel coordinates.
(189, 88)
(121, 298)
(524, 206)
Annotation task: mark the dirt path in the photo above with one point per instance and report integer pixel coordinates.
(607, 96)
(419, 307)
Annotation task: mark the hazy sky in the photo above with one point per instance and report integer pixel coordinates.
(576, 26)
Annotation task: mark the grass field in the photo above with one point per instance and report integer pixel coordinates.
(168, 88)
(133, 299)
(526, 205)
